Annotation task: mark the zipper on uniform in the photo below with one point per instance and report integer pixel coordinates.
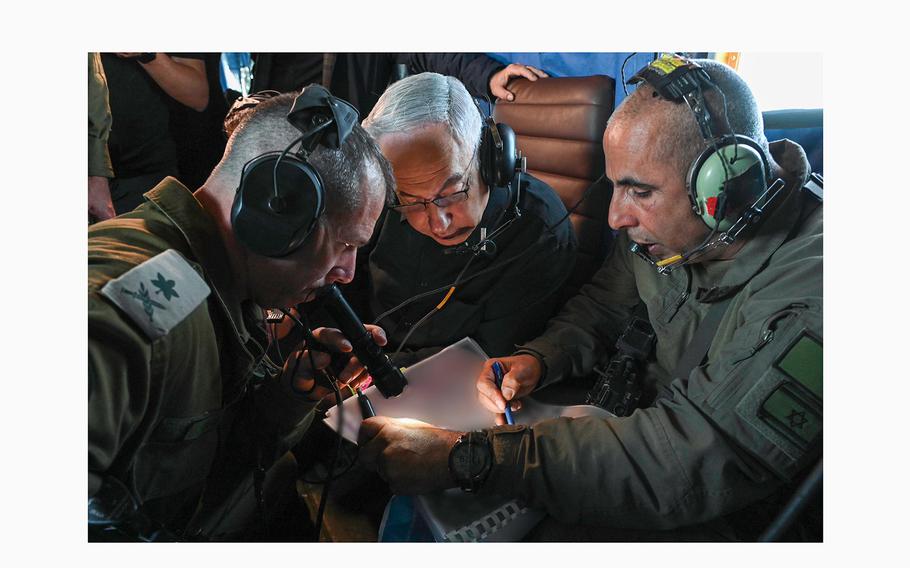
(767, 333)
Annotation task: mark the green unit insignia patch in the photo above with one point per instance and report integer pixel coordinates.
(803, 363)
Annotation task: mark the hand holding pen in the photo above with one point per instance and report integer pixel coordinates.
(520, 375)
(498, 373)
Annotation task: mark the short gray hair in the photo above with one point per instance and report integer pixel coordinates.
(423, 99)
(265, 128)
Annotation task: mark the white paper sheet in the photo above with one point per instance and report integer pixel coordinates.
(441, 392)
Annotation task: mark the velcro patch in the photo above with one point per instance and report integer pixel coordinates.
(791, 414)
(159, 293)
(803, 363)
(794, 409)
(784, 404)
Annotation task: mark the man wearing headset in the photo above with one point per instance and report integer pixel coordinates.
(186, 414)
(463, 219)
(736, 418)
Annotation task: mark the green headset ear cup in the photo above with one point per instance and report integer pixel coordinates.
(497, 166)
(710, 188)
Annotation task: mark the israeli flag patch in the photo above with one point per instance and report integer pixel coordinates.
(159, 293)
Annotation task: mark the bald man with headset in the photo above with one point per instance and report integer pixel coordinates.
(186, 412)
(704, 326)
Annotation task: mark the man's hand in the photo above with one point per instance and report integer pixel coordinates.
(521, 375)
(100, 206)
(501, 78)
(298, 371)
(412, 456)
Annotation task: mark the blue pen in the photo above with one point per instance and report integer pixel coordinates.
(497, 373)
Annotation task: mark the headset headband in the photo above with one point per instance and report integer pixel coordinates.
(678, 79)
(316, 106)
(281, 195)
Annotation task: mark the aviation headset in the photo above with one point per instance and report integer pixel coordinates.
(281, 196)
(732, 171)
(499, 158)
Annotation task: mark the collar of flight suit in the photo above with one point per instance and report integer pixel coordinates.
(772, 232)
(178, 204)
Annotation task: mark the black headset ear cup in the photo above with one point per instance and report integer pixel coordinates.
(497, 166)
(264, 228)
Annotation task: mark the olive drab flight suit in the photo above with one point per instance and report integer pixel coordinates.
(173, 359)
(724, 437)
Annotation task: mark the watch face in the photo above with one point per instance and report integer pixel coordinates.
(469, 460)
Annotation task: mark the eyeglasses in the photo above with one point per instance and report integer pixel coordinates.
(443, 201)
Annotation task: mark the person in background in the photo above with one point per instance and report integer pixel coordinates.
(142, 88)
(198, 135)
(361, 78)
(100, 170)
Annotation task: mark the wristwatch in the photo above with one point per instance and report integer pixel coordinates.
(471, 460)
(146, 57)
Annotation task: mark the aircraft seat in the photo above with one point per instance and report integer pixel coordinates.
(559, 124)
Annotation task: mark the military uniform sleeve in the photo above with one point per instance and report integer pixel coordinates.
(99, 120)
(734, 430)
(472, 69)
(154, 389)
(588, 324)
(119, 387)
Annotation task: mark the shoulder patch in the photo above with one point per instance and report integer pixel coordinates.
(159, 293)
(803, 363)
(785, 404)
(794, 408)
(792, 416)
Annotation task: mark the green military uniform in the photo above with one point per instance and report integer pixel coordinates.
(99, 120)
(724, 437)
(178, 380)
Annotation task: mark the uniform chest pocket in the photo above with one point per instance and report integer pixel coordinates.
(178, 455)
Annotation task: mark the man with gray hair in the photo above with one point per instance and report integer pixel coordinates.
(715, 380)
(462, 220)
(186, 412)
